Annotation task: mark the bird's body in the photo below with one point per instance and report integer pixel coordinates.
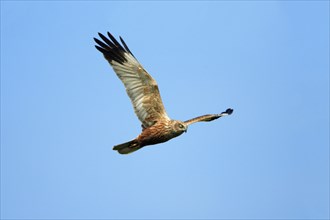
(160, 132)
(157, 127)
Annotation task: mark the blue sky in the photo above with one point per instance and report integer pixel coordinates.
(63, 108)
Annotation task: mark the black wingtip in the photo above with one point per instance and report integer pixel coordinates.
(125, 45)
(101, 35)
(229, 111)
(111, 48)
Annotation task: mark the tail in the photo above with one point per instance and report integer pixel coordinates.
(128, 147)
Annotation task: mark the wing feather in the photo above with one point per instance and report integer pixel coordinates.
(141, 88)
(209, 117)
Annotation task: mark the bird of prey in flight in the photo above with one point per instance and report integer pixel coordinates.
(142, 89)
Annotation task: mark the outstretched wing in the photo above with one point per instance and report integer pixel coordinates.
(141, 88)
(208, 117)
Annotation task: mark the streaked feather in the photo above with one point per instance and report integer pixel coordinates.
(143, 91)
(140, 86)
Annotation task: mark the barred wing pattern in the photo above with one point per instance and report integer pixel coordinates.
(143, 91)
(141, 88)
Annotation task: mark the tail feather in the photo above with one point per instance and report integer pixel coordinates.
(128, 147)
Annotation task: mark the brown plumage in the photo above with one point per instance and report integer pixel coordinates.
(143, 91)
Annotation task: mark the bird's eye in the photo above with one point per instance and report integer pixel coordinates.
(181, 126)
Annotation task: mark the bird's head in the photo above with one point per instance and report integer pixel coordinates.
(179, 127)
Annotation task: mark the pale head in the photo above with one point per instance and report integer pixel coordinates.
(178, 127)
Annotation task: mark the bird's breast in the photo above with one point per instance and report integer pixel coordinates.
(158, 133)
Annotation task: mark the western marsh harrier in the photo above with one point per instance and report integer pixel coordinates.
(143, 91)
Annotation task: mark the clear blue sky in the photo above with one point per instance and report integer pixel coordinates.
(63, 108)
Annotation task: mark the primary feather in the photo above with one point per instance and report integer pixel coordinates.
(143, 91)
(141, 88)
